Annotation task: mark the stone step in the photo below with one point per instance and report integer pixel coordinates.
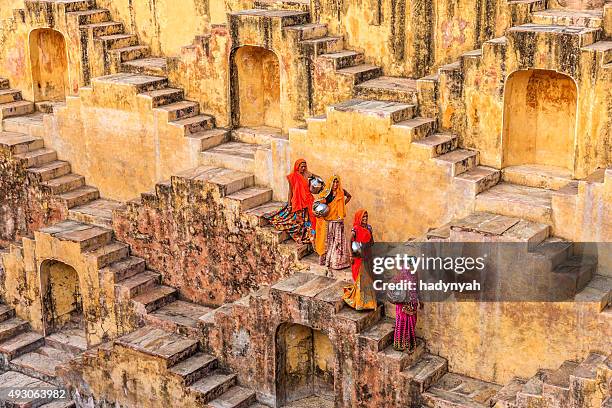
(479, 179)
(179, 316)
(556, 383)
(322, 45)
(125, 268)
(227, 181)
(539, 176)
(131, 53)
(261, 135)
(180, 110)
(232, 155)
(598, 292)
(141, 83)
(342, 59)
(437, 144)
(360, 320)
(48, 107)
(155, 298)
(195, 124)
(507, 395)
(250, 197)
(530, 394)
(19, 381)
(16, 108)
(76, 5)
(88, 237)
(425, 371)
(256, 214)
(603, 49)
(211, 138)
(235, 397)
(398, 361)
(97, 212)
(63, 184)
(108, 254)
(12, 327)
(19, 143)
(455, 390)
(554, 249)
(385, 88)
(31, 124)
(583, 378)
(309, 31)
(146, 66)
(285, 18)
(170, 347)
(80, 196)
(86, 17)
(379, 336)
(73, 341)
(301, 5)
(213, 385)
(164, 96)
(36, 365)
(573, 275)
(56, 354)
(505, 228)
(39, 157)
(390, 112)
(417, 128)
(361, 73)
(9, 95)
(104, 28)
(458, 161)
(564, 17)
(581, 36)
(49, 171)
(529, 203)
(137, 284)
(194, 368)
(6, 312)
(21, 344)
(114, 41)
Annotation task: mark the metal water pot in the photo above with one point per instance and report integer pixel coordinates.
(320, 209)
(316, 185)
(357, 249)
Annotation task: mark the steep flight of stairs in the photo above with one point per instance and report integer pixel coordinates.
(22, 136)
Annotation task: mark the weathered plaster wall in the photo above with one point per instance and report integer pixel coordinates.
(497, 341)
(7, 7)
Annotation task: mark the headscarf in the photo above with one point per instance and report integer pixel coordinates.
(337, 211)
(301, 198)
(361, 234)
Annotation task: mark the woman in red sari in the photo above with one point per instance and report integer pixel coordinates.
(297, 217)
(360, 295)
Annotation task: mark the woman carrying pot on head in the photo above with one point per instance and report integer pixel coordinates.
(297, 218)
(330, 241)
(360, 295)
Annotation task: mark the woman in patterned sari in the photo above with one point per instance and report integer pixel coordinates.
(360, 295)
(330, 241)
(296, 218)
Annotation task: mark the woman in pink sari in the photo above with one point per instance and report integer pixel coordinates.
(404, 338)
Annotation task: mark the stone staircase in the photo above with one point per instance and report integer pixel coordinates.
(30, 360)
(22, 137)
(199, 373)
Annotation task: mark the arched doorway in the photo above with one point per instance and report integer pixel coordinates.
(539, 119)
(258, 84)
(49, 63)
(61, 297)
(305, 364)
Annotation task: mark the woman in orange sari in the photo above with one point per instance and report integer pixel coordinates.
(330, 241)
(360, 295)
(296, 217)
